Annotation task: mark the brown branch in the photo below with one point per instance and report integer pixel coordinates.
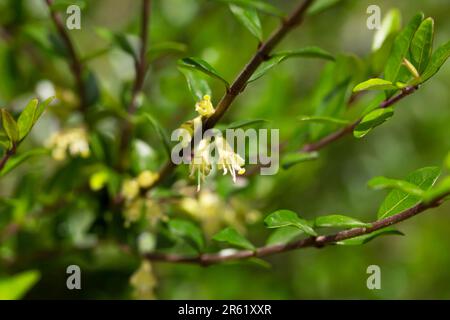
(314, 146)
(140, 71)
(75, 63)
(8, 154)
(239, 84)
(318, 242)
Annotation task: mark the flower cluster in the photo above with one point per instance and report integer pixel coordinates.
(135, 206)
(203, 162)
(71, 141)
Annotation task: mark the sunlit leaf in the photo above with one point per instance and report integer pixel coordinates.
(339, 221)
(422, 45)
(284, 235)
(380, 183)
(249, 18)
(400, 48)
(372, 120)
(202, 66)
(368, 237)
(231, 236)
(188, 231)
(277, 58)
(17, 160)
(319, 119)
(374, 84)
(10, 126)
(197, 85)
(257, 5)
(437, 60)
(284, 218)
(15, 287)
(391, 23)
(397, 200)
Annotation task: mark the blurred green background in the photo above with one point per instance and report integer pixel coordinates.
(414, 266)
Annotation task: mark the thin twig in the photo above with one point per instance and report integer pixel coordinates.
(315, 146)
(141, 65)
(8, 154)
(75, 63)
(318, 242)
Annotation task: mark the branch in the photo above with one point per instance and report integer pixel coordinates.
(239, 84)
(8, 154)
(349, 129)
(75, 63)
(318, 242)
(140, 65)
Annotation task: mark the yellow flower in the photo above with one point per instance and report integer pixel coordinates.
(147, 178)
(204, 107)
(144, 282)
(201, 162)
(130, 189)
(229, 161)
(72, 141)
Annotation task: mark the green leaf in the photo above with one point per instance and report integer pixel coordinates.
(291, 159)
(249, 18)
(380, 183)
(422, 45)
(321, 5)
(42, 107)
(391, 23)
(397, 200)
(368, 237)
(257, 5)
(400, 49)
(284, 235)
(277, 58)
(167, 47)
(21, 158)
(188, 231)
(374, 84)
(437, 60)
(197, 85)
(202, 66)
(284, 218)
(162, 135)
(120, 40)
(15, 287)
(245, 123)
(4, 141)
(10, 126)
(324, 119)
(372, 120)
(231, 236)
(26, 118)
(339, 221)
(441, 190)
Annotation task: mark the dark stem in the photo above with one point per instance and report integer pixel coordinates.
(75, 63)
(8, 154)
(315, 146)
(140, 71)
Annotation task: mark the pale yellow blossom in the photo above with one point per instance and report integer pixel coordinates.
(144, 282)
(130, 189)
(73, 142)
(147, 178)
(204, 107)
